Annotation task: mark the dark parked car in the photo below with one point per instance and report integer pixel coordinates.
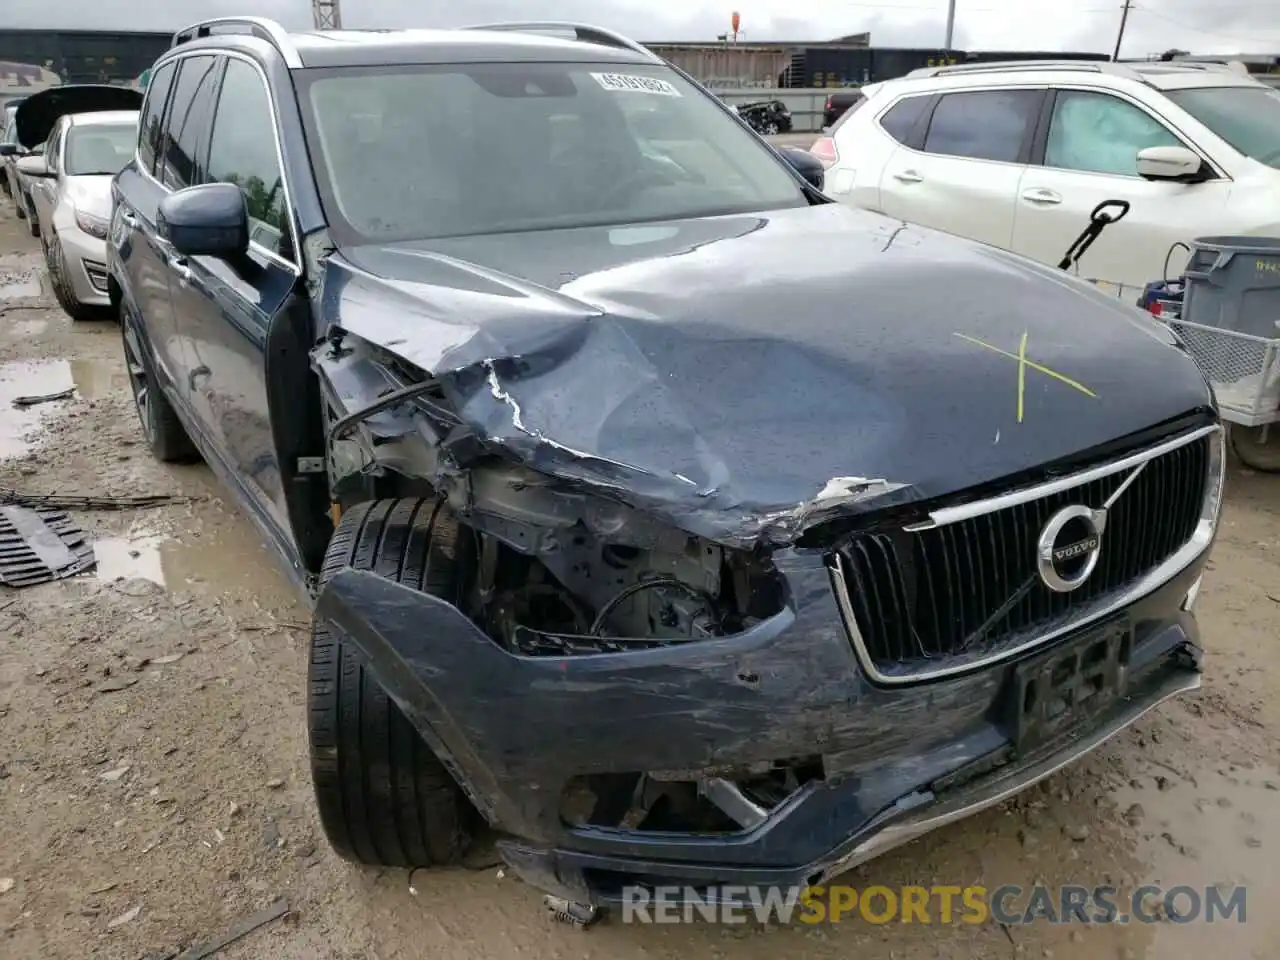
(766, 116)
(655, 514)
(838, 103)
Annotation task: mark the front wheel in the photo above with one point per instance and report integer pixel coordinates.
(385, 799)
(33, 225)
(1257, 447)
(59, 278)
(164, 432)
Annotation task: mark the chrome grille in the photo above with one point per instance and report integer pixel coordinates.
(927, 596)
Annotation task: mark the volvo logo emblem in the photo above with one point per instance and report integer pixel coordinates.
(1069, 546)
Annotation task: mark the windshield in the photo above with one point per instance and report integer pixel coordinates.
(103, 149)
(1248, 118)
(493, 148)
(10, 134)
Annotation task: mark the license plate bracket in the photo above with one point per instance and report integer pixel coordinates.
(1056, 691)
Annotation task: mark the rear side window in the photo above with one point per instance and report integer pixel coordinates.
(983, 125)
(150, 124)
(903, 117)
(189, 112)
(242, 150)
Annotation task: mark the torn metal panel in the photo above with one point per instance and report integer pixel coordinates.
(37, 546)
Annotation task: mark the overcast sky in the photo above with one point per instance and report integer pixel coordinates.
(1202, 26)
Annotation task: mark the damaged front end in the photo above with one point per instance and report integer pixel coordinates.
(657, 677)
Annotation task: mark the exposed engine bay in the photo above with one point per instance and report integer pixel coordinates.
(559, 571)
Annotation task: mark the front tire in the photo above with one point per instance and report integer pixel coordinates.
(1253, 451)
(165, 435)
(385, 799)
(56, 263)
(33, 225)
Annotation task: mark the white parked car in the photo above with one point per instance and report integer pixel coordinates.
(1017, 155)
(88, 142)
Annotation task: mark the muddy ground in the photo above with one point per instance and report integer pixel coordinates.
(154, 784)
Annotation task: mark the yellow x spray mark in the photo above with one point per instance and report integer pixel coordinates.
(1023, 364)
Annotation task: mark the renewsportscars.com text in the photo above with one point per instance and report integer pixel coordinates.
(1008, 904)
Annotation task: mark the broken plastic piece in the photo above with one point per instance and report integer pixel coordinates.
(580, 915)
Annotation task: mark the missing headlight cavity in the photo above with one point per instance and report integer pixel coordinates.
(562, 573)
(727, 800)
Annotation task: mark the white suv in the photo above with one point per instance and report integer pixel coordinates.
(1017, 155)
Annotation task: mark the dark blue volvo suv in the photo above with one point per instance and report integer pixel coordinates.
(661, 516)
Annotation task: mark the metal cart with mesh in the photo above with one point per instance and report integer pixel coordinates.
(1244, 371)
(1230, 323)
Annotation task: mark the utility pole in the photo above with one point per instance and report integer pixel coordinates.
(951, 24)
(326, 14)
(1124, 18)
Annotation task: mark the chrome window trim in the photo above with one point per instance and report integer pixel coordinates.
(1200, 540)
(284, 262)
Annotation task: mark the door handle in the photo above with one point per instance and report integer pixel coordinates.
(1040, 195)
(908, 176)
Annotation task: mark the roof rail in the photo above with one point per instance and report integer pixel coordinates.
(581, 31)
(260, 27)
(1078, 66)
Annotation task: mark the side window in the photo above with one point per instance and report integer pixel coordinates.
(242, 150)
(984, 125)
(903, 117)
(150, 124)
(1099, 133)
(190, 108)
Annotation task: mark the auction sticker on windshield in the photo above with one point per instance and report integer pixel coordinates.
(630, 83)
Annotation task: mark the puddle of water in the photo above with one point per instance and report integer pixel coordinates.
(24, 379)
(230, 559)
(1224, 831)
(95, 379)
(92, 380)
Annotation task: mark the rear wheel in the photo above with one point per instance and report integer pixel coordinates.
(385, 799)
(164, 432)
(1257, 447)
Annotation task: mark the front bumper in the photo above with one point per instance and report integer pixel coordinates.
(897, 762)
(86, 264)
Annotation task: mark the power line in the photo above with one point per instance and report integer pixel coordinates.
(1199, 29)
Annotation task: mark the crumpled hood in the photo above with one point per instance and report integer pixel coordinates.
(745, 375)
(38, 113)
(91, 194)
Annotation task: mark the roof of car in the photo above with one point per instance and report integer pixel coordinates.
(1160, 75)
(362, 48)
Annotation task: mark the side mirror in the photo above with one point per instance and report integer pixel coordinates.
(805, 164)
(1169, 163)
(209, 220)
(8, 149)
(34, 166)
